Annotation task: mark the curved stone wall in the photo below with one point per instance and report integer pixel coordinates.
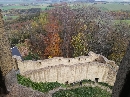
(70, 69)
(73, 73)
(33, 65)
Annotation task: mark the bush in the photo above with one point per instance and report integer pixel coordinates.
(31, 56)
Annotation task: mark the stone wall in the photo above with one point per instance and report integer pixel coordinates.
(34, 65)
(70, 69)
(72, 73)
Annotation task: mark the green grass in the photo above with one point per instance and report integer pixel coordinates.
(74, 92)
(43, 7)
(123, 21)
(108, 6)
(83, 82)
(42, 87)
(113, 6)
(13, 17)
(82, 92)
(23, 7)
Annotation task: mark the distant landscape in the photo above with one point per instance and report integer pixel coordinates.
(44, 29)
(112, 6)
(20, 14)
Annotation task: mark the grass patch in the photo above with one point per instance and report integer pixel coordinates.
(113, 6)
(82, 92)
(42, 87)
(13, 17)
(23, 7)
(107, 7)
(121, 21)
(77, 92)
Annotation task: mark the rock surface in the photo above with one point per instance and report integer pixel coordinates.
(122, 83)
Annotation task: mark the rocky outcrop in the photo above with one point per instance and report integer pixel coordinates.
(122, 83)
(22, 91)
(6, 62)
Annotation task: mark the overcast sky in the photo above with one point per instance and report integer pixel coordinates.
(114, 0)
(73, 0)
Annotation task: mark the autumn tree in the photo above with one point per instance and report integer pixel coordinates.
(91, 21)
(37, 34)
(98, 27)
(53, 45)
(39, 22)
(120, 39)
(79, 44)
(52, 38)
(66, 18)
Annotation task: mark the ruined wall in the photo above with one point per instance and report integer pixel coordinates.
(70, 69)
(111, 75)
(33, 65)
(72, 73)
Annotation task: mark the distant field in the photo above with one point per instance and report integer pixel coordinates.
(108, 6)
(105, 7)
(113, 6)
(42, 6)
(24, 7)
(125, 21)
(13, 17)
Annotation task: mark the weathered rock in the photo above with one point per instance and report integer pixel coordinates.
(22, 91)
(122, 83)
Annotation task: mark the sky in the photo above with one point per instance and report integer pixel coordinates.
(72, 0)
(115, 0)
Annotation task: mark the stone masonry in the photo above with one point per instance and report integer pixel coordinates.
(70, 69)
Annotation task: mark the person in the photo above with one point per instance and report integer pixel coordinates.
(80, 83)
(66, 82)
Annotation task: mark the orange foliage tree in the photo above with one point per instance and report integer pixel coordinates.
(52, 38)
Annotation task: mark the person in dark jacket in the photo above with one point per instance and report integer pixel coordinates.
(80, 83)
